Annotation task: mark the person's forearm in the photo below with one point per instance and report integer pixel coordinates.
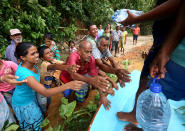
(177, 32)
(113, 63)
(54, 91)
(166, 9)
(76, 76)
(57, 67)
(107, 69)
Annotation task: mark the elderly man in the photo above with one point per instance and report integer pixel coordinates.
(87, 72)
(16, 38)
(100, 52)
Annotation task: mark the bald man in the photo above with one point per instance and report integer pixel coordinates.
(87, 72)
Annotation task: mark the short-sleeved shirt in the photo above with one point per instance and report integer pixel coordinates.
(178, 54)
(99, 55)
(45, 74)
(24, 94)
(10, 50)
(71, 50)
(10, 68)
(91, 40)
(100, 32)
(116, 35)
(74, 59)
(136, 31)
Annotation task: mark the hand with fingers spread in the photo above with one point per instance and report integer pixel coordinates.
(11, 79)
(123, 76)
(129, 20)
(158, 65)
(106, 103)
(74, 85)
(72, 68)
(100, 82)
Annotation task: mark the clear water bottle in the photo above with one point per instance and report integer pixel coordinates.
(153, 110)
(122, 14)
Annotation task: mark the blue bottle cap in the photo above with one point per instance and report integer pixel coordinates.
(155, 87)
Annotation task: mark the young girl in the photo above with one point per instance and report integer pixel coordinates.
(51, 44)
(47, 68)
(7, 67)
(72, 47)
(24, 101)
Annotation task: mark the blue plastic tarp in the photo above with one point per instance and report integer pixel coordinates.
(123, 100)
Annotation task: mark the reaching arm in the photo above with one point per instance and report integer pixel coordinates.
(38, 87)
(172, 40)
(113, 63)
(68, 68)
(104, 67)
(164, 10)
(97, 81)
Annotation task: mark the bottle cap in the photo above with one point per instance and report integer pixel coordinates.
(155, 87)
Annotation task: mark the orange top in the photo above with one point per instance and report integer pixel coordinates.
(136, 31)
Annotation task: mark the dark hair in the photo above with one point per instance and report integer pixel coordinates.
(71, 42)
(41, 50)
(101, 37)
(48, 36)
(22, 49)
(90, 25)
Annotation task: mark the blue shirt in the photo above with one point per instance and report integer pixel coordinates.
(178, 54)
(24, 94)
(10, 52)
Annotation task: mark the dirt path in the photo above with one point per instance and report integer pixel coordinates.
(141, 41)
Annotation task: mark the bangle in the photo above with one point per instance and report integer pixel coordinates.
(1, 79)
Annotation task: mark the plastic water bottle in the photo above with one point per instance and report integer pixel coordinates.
(122, 14)
(153, 110)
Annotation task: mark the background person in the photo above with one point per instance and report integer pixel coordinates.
(136, 31)
(16, 38)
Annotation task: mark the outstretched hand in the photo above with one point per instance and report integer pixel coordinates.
(129, 20)
(74, 85)
(158, 65)
(11, 79)
(123, 76)
(72, 68)
(100, 83)
(106, 103)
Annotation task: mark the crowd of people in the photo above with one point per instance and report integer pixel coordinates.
(27, 89)
(29, 95)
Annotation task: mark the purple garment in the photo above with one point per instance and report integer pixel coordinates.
(10, 52)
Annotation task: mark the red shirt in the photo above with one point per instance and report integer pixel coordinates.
(136, 31)
(74, 59)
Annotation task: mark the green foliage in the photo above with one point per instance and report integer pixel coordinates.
(44, 123)
(10, 127)
(66, 109)
(126, 63)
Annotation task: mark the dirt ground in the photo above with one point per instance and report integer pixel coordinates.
(133, 54)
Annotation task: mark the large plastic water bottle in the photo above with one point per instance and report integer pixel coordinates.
(122, 14)
(153, 110)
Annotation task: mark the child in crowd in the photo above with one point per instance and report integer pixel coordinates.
(52, 45)
(24, 100)
(7, 67)
(72, 47)
(47, 68)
